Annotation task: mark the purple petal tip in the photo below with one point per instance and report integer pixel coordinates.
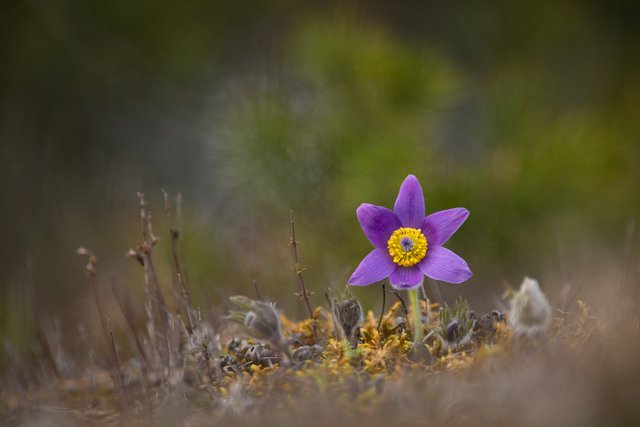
(409, 206)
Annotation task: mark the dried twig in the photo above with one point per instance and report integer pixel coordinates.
(105, 322)
(173, 235)
(336, 327)
(298, 269)
(117, 359)
(180, 228)
(255, 287)
(182, 291)
(91, 273)
(158, 333)
(125, 308)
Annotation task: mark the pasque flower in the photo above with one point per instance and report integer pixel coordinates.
(408, 245)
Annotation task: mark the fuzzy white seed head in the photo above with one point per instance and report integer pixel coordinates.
(530, 313)
(259, 319)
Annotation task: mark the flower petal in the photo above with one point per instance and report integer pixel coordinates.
(377, 223)
(409, 205)
(373, 268)
(406, 277)
(438, 227)
(442, 264)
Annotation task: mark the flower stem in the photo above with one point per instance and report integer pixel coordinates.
(414, 297)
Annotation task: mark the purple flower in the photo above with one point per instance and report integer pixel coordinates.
(408, 245)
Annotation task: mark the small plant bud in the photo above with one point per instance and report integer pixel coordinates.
(530, 313)
(261, 355)
(83, 251)
(454, 330)
(347, 315)
(92, 260)
(136, 256)
(259, 319)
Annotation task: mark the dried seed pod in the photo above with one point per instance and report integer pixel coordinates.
(261, 355)
(497, 316)
(347, 315)
(484, 326)
(228, 364)
(348, 312)
(260, 320)
(235, 344)
(454, 330)
(530, 313)
(307, 352)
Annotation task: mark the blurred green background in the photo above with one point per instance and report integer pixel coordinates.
(526, 113)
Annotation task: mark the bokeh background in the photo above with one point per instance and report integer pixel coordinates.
(526, 113)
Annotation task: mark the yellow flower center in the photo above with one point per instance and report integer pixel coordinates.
(407, 246)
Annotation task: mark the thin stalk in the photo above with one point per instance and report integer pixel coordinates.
(404, 306)
(116, 359)
(161, 328)
(304, 294)
(180, 246)
(181, 293)
(384, 300)
(255, 287)
(426, 300)
(414, 297)
(91, 272)
(94, 288)
(127, 312)
(175, 265)
(335, 322)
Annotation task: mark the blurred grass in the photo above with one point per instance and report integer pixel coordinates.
(523, 113)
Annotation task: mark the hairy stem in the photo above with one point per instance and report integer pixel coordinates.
(414, 297)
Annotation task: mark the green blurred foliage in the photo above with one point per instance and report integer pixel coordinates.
(359, 110)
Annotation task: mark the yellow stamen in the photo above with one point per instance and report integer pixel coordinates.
(407, 246)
